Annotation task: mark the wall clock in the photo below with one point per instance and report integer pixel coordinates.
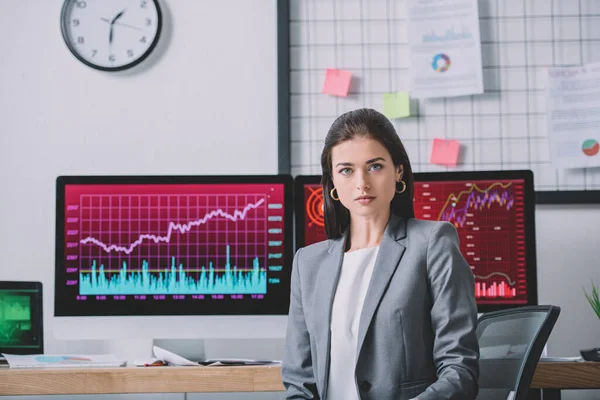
(111, 35)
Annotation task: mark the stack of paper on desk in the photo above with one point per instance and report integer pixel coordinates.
(63, 361)
(174, 359)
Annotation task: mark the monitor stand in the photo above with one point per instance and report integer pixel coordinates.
(192, 349)
(140, 350)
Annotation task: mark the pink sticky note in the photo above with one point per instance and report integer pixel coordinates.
(445, 152)
(337, 82)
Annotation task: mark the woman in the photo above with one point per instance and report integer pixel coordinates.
(384, 309)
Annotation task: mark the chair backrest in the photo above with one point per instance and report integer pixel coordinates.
(511, 343)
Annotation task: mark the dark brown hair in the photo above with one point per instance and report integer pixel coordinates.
(362, 123)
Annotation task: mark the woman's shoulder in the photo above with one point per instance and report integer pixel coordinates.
(426, 226)
(419, 230)
(315, 250)
(310, 257)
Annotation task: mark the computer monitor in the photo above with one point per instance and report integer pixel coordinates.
(170, 257)
(493, 212)
(21, 318)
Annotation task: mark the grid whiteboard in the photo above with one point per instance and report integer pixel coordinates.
(504, 128)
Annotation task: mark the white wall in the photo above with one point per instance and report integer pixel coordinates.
(204, 103)
(568, 240)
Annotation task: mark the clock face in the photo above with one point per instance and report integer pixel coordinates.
(111, 35)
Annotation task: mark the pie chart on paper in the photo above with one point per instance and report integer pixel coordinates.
(590, 147)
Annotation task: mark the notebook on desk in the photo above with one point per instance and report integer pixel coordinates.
(63, 361)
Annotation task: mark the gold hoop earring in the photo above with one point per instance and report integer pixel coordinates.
(332, 196)
(403, 186)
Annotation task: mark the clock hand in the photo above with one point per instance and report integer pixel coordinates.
(122, 24)
(128, 26)
(119, 15)
(110, 35)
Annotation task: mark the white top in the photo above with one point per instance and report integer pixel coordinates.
(357, 269)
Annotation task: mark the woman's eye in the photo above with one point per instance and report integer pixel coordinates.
(375, 167)
(345, 171)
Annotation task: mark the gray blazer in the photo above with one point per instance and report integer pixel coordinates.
(416, 335)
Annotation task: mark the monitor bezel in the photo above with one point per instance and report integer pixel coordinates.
(61, 304)
(37, 315)
(529, 206)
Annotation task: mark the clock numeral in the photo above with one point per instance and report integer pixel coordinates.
(94, 52)
(148, 22)
(81, 4)
(80, 40)
(75, 22)
(130, 53)
(111, 58)
(144, 4)
(143, 39)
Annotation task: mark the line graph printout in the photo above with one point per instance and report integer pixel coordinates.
(489, 217)
(173, 240)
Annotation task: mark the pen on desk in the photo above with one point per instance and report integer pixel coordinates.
(157, 363)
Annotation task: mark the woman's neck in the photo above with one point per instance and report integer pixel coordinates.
(367, 231)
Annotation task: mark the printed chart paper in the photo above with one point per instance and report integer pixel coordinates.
(573, 114)
(445, 49)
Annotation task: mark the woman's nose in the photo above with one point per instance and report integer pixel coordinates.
(362, 184)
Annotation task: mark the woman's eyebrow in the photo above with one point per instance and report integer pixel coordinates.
(349, 164)
(375, 159)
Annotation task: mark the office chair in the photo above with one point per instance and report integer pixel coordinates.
(511, 343)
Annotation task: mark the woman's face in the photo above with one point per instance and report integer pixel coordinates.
(364, 176)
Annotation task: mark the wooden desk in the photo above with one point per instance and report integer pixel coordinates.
(551, 377)
(222, 379)
(140, 380)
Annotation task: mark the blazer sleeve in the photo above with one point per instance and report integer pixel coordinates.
(297, 371)
(453, 318)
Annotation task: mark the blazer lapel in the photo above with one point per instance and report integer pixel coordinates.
(388, 258)
(325, 288)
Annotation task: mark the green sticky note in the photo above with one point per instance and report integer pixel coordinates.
(396, 105)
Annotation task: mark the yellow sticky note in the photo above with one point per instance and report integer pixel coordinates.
(396, 105)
